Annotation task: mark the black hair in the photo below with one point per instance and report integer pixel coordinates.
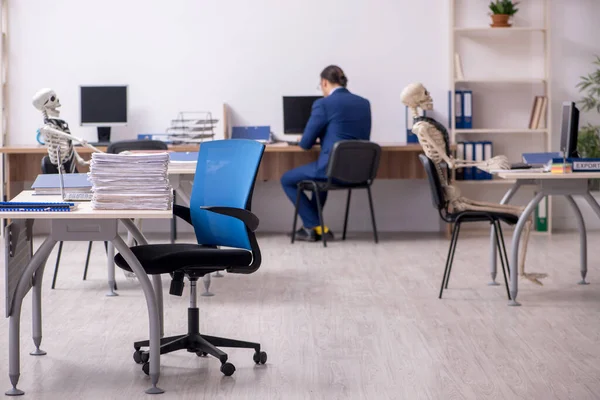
(334, 74)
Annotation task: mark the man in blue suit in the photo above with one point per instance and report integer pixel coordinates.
(339, 115)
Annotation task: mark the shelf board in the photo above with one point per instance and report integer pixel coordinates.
(503, 131)
(501, 80)
(490, 29)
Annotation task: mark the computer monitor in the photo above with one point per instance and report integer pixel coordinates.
(569, 128)
(296, 112)
(103, 107)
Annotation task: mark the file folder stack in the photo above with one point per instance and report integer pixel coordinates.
(130, 181)
(473, 151)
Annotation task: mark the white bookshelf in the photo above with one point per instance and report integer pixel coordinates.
(477, 43)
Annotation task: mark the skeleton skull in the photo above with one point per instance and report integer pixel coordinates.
(416, 95)
(46, 100)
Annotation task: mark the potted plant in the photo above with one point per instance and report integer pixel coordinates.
(502, 10)
(588, 137)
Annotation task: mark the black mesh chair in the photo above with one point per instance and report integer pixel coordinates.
(49, 168)
(457, 218)
(136, 145)
(353, 164)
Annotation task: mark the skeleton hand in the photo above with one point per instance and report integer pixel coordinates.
(498, 162)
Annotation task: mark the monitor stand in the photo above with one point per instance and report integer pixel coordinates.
(103, 134)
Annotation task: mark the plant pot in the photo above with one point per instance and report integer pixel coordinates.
(500, 21)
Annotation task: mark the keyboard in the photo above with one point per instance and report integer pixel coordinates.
(520, 166)
(78, 196)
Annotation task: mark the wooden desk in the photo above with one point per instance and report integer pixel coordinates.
(23, 163)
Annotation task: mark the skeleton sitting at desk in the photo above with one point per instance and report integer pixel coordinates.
(433, 137)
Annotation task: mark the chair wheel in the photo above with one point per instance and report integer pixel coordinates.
(227, 369)
(201, 354)
(260, 358)
(137, 356)
(146, 368)
(140, 357)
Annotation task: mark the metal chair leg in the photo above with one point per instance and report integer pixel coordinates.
(298, 192)
(320, 210)
(503, 247)
(453, 252)
(372, 215)
(60, 245)
(449, 258)
(346, 217)
(501, 250)
(174, 222)
(87, 260)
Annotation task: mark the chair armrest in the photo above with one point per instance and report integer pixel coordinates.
(249, 219)
(183, 213)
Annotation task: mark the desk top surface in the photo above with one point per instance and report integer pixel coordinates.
(82, 211)
(547, 175)
(270, 148)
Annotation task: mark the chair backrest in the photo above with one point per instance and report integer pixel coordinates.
(225, 176)
(48, 167)
(354, 161)
(128, 145)
(437, 191)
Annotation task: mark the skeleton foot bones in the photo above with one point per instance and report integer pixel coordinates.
(433, 137)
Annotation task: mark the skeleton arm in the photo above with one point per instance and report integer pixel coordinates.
(434, 146)
(55, 138)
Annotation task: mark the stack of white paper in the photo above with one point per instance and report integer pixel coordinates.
(130, 181)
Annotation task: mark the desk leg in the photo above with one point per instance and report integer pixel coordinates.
(36, 331)
(110, 260)
(583, 239)
(153, 312)
(493, 248)
(23, 286)
(514, 252)
(156, 279)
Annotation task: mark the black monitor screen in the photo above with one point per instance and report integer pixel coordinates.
(296, 112)
(569, 128)
(103, 105)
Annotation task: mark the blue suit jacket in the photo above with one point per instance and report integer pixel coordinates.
(339, 116)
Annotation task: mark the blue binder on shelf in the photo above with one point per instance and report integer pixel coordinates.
(259, 133)
(460, 154)
(458, 109)
(478, 156)
(488, 152)
(467, 110)
(469, 156)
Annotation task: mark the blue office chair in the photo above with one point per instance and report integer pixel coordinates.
(220, 214)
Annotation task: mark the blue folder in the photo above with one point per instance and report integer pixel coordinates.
(540, 158)
(183, 156)
(52, 181)
(260, 133)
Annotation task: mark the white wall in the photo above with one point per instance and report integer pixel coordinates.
(196, 55)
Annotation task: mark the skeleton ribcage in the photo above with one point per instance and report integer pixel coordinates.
(67, 154)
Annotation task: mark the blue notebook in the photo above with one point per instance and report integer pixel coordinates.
(187, 156)
(540, 158)
(50, 183)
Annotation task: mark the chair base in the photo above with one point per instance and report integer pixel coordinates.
(202, 345)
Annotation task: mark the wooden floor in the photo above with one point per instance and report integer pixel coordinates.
(352, 321)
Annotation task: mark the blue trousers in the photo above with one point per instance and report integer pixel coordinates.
(307, 209)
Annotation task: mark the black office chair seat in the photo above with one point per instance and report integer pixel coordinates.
(193, 259)
(324, 185)
(481, 216)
